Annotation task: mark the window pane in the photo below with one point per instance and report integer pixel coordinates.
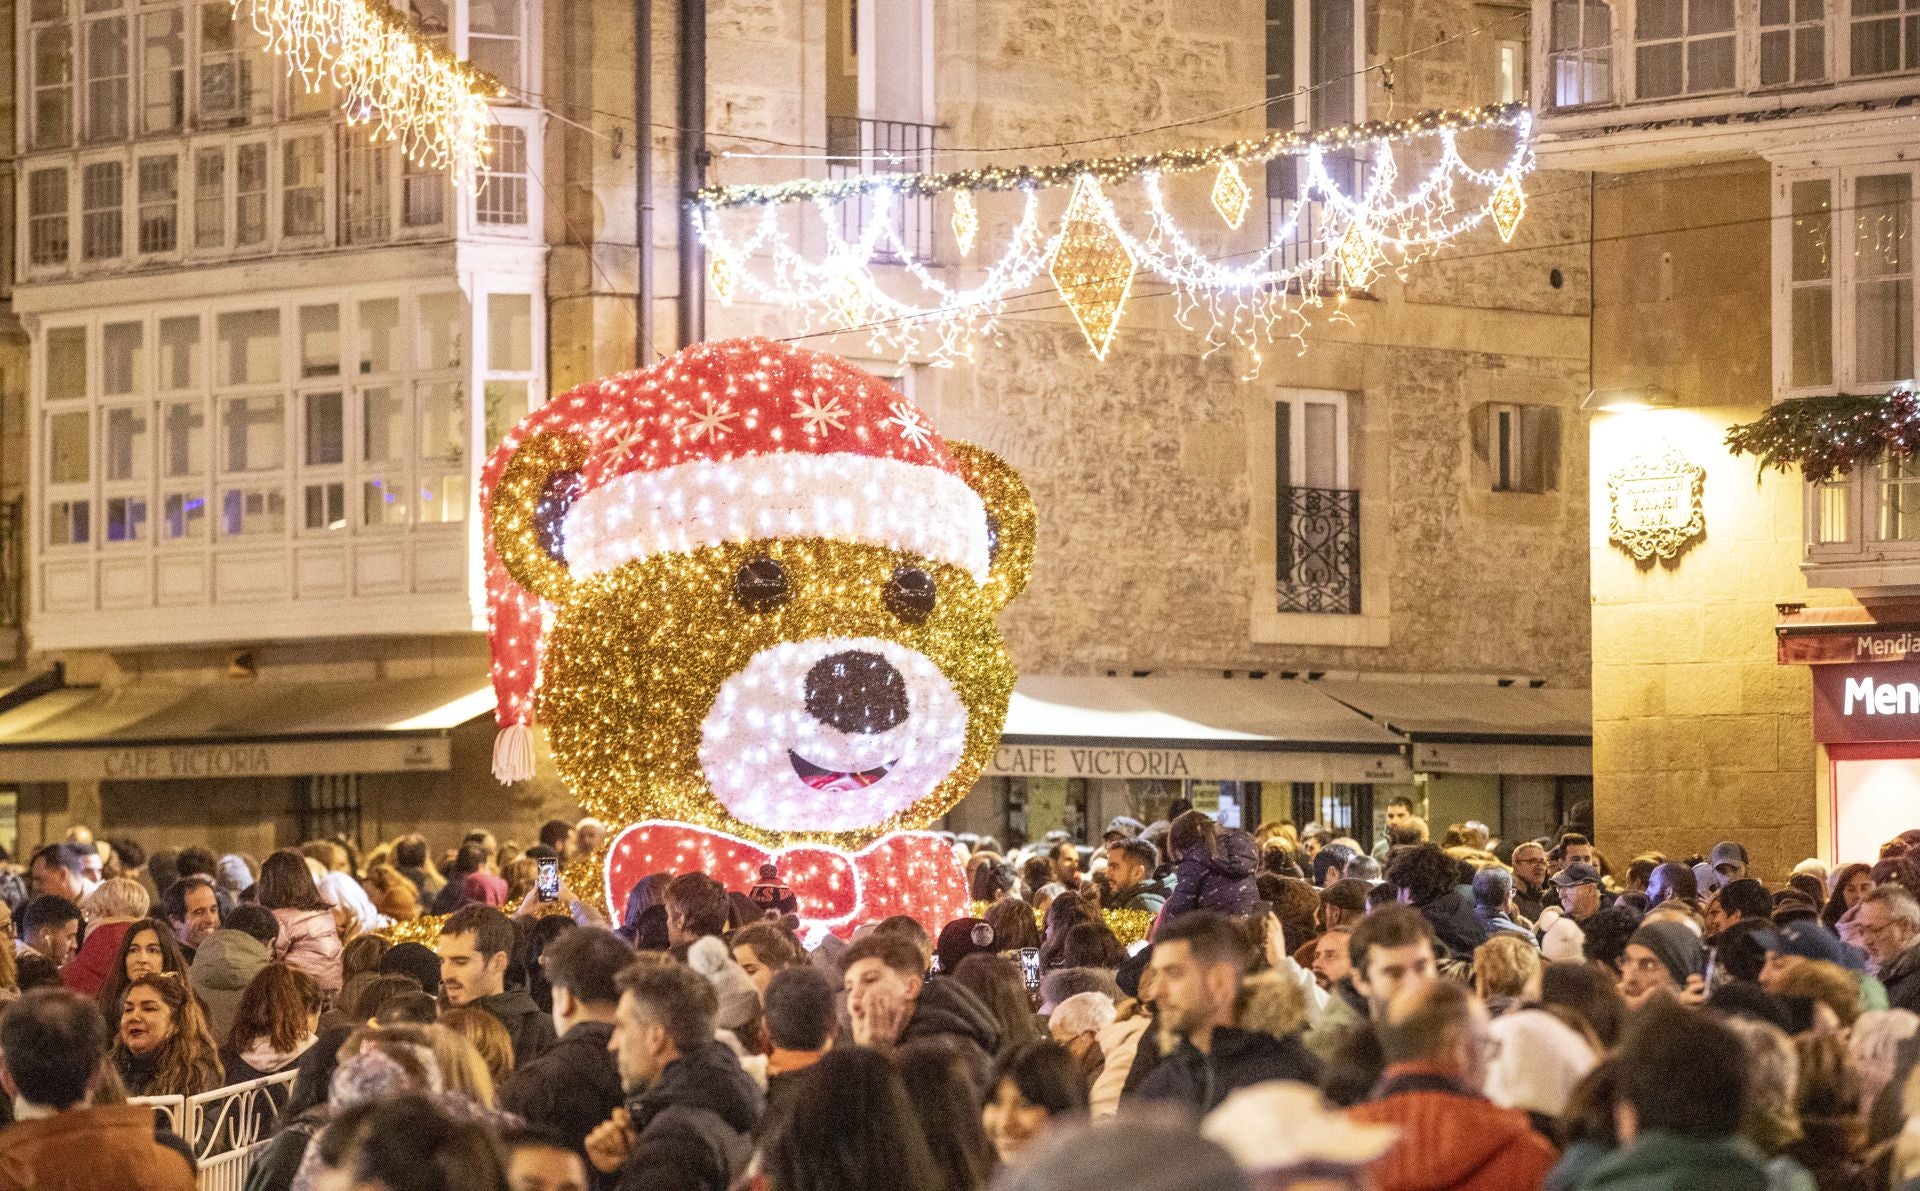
(163, 85)
(1709, 16)
(319, 341)
(183, 448)
(250, 194)
(1882, 220)
(159, 203)
(326, 506)
(443, 420)
(66, 363)
(126, 448)
(1658, 68)
(383, 425)
(1654, 19)
(510, 332)
(255, 429)
(126, 519)
(68, 454)
(502, 199)
(383, 502)
(246, 512)
(1320, 457)
(303, 210)
(1874, 45)
(505, 402)
(1883, 331)
(249, 343)
(100, 214)
(179, 353)
(442, 331)
(122, 358)
(1809, 54)
(1812, 337)
(106, 51)
(48, 234)
(443, 498)
(52, 86)
(423, 193)
(184, 516)
(1710, 64)
(210, 198)
(326, 430)
(1812, 230)
(363, 192)
(68, 523)
(380, 336)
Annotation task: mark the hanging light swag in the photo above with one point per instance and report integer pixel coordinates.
(1338, 237)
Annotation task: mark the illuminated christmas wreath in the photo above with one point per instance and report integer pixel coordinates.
(752, 593)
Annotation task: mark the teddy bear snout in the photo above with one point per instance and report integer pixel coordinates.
(857, 692)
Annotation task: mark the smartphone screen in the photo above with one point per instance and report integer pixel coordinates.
(1030, 967)
(548, 881)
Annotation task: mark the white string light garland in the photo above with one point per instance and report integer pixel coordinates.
(1328, 243)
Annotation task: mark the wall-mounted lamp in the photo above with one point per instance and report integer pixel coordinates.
(1615, 401)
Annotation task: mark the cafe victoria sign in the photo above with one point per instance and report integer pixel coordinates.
(1653, 504)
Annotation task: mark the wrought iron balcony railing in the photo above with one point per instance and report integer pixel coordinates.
(856, 146)
(1319, 550)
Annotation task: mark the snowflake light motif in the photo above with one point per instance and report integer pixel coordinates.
(712, 422)
(913, 426)
(821, 414)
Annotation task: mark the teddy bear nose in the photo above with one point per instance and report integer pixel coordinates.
(857, 691)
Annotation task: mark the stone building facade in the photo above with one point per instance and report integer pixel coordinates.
(1155, 472)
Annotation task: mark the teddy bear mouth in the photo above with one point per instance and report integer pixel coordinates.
(820, 778)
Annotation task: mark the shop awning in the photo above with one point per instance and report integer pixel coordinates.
(240, 728)
(1459, 727)
(1194, 728)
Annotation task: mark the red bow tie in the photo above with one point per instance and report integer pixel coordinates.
(908, 872)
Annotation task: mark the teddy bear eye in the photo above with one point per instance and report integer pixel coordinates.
(760, 585)
(910, 594)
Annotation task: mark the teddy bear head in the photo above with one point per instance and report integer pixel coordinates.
(759, 593)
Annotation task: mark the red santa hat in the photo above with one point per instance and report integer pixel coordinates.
(728, 441)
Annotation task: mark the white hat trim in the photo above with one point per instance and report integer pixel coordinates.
(871, 500)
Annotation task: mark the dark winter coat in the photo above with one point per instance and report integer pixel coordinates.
(1454, 923)
(572, 1089)
(946, 1007)
(1235, 1059)
(1148, 895)
(694, 1126)
(530, 1027)
(1902, 979)
(1221, 882)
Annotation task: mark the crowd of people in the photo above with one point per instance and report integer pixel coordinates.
(1306, 1011)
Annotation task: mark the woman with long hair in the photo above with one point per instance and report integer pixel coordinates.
(163, 1046)
(1845, 889)
(486, 1040)
(943, 1088)
(277, 1022)
(1034, 1087)
(393, 893)
(1067, 911)
(851, 1129)
(1014, 927)
(149, 946)
(309, 937)
(999, 985)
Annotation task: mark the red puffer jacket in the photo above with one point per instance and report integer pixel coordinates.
(1450, 1138)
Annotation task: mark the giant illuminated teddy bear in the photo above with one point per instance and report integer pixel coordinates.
(752, 594)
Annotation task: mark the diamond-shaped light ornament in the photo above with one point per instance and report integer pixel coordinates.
(1509, 203)
(966, 222)
(1357, 254)
(1091, 267)
(1230, 194)
(723, 276)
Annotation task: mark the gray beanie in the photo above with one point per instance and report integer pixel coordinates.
(1674, 945)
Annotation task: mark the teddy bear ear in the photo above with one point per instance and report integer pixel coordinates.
(1011, 522)
(540, 482)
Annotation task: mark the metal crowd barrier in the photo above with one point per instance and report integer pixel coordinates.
(227, 1127)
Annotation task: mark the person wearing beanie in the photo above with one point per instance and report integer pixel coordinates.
(771, 894)
(959, 939)
(1344, 903)
(739, 1000)
(1564, 942)
(1661, 957)
(416, 960)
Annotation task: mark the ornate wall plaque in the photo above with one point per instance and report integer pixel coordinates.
(1653, 501)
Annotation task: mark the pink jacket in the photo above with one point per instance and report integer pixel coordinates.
(310, 942)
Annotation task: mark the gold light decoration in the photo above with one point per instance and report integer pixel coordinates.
(413, 92)
(724, 277)
(1230, 194)
(1240, 300)
(1131, 926)
(424, 930)
(1091, 267)
(1357, 255)
(1508, 205)
(966, 222)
